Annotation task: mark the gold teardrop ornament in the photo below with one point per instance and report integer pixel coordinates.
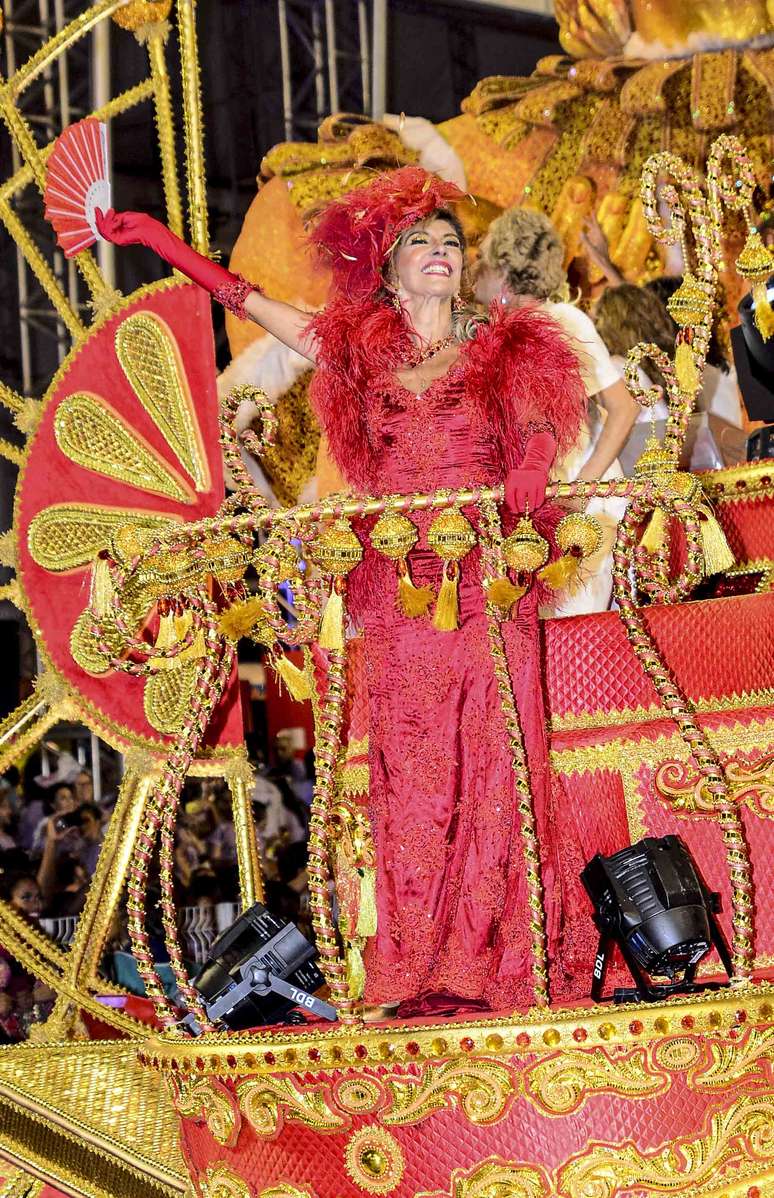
(578, 536)
(336, 551)
(395, 536)
(690, 304)
(525, 550)
(451, 536)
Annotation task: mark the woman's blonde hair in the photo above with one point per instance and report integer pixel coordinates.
(627, 315)
(525, 247)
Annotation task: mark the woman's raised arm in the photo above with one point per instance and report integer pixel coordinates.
(283, 321)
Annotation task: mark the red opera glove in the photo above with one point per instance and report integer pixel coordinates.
(137, 228)
(526, 485)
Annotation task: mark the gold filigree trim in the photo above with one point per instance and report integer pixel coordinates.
(497, 1039)
(91, 434)
(268, 1103)
(167, 697)
(221, 1182)
(564, 1082)
(150, 359)
(620, 716)
(206, 1100)
(482, 1087)
(494, 1178)
(687, 794)
(736, 1135)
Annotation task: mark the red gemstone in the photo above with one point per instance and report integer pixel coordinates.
(314, 1054)
(412, 1048)
(361, 1051)
(522, 1039)
(741, 484)
(741, 1017)
(687, 1021)
(635, 1027)
(579, 1034)
(764, 480)
(467, 1044)
(269, 1058)
(753, 1192)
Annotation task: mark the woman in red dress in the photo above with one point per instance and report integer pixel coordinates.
(415, 393)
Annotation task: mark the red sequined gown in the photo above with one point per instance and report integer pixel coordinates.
(451, 893)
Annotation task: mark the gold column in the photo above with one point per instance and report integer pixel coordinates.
(248, 857)
(42, 271)
(193, 126)
(165, 126)
(109, 879)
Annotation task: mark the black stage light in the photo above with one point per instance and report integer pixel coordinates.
(651, 901)
(261, 970)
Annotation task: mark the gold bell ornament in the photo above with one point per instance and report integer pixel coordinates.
(657, 464)
(451, 536)
(689, 306)
(395, 536)
(755, 263)
(525, 551)
(336, 551)
(579, 537)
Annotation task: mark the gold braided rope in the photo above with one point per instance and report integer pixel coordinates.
(193, 126)
(492, 550)
(319, 868)
(707, 760)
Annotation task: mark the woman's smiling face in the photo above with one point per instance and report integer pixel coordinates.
(428, 260)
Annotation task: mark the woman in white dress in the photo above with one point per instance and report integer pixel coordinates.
(521, 261)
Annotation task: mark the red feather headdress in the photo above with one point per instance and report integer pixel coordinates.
(356, 233)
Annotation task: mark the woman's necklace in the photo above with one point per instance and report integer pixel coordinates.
(430, 350)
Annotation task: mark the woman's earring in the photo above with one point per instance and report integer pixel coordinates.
(395, 301)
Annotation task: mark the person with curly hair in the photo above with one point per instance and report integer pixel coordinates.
(521, 262)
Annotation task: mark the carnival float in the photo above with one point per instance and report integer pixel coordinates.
(131, 567)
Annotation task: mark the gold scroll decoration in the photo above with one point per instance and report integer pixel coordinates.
(495, 1178)
(687, 794)
(562, 1083)
(267, 1102)
(150, 359)
(203, 1100)
(482, 1087)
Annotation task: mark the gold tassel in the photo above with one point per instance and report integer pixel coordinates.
(688, 379)
(102, 592)
(366, 916)
(446, 617)
(297, 681)
(413, 600)
(718, 556)
(332, 623)
(165, 639)
(562, 573)
(763, 314)
(356, 975)
(652, 538)
(504, 593)
(240, 618)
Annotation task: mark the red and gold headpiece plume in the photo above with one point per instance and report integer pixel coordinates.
(356, 233)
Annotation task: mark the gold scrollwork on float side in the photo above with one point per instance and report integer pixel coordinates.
(687, 794)
(221, 1182)
(92, 435)
(562, 1083)
(357, 1095)
(374, 1160)
(202, 1099)
(150, 359)
(482, 1087)
(731, 1061)
(495, 1178)
(678, 1054)
(267, 1102)
(744, 1132)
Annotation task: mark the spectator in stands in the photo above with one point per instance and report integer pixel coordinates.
(83, 787)
(92, 833)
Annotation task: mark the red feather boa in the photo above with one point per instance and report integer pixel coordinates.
(520, 370)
